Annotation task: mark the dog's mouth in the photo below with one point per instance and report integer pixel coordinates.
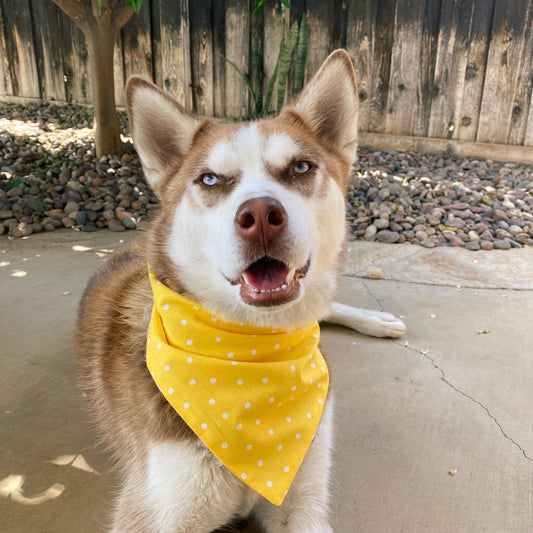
(269, 282)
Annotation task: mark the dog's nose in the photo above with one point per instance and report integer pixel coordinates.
(261, 220)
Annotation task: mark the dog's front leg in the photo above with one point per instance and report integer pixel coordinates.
(365, 321)
(181, 488)
(305, 508)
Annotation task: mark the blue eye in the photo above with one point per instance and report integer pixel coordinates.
(209, 179)
(302, 167)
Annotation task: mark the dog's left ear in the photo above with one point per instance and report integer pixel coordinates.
(330, 103)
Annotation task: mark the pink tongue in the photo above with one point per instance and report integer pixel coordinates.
(267, 274)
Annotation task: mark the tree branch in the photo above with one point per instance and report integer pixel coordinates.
(79, 12)
(121, 15)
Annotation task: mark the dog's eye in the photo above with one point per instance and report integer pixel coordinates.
(209, 179)
(302, 167)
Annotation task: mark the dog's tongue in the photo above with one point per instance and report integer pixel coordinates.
(266, 274)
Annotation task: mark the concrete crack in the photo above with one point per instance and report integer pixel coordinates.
(459, 391)
(371, 294)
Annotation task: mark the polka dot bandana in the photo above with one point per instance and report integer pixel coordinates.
(254, 396)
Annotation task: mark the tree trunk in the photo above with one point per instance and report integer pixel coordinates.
(100, 26)
(101, 42)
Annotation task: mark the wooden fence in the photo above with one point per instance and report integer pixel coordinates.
(446, 69)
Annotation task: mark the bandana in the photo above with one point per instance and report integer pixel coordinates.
(253, 395)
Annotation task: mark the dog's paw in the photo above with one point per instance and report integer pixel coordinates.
(379, 324)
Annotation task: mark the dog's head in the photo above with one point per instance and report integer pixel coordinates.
(252, 218)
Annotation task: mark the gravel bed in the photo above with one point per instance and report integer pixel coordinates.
(50, 179)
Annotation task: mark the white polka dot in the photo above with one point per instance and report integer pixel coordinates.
(212, 401)
(167, 367)
(253, 336)
(272, 399)
(265, 380)
(276, 346)
(192, 382)
(289, 349)
(166, 307)
(224, 445)
(189, 360)
(149, 340)
(307, 347)
(319, 385)
(254, 352)
(230, 355)
(204, 426)
(218, 339)
(158, 282)
(315, 335)
(243, 476)
(247, 405)
(249, 447)
(271, 432)
(280, 447)
(214, 318)
(159, 346)
(298, 435)
(258, 422)
(186, 405)
(225, 415)
(234, 363)
(189, 342)
(184, 322)
(171, 391)
(311, 381)
(320, 401)
(288, 419)
(213, 380)
(260, 462)
(286, 469)
(293, 368)
(239, 427)
(309, 415)
(152, 374)
(293, 388)
(269, 483)
(240, 382)
(313, 365)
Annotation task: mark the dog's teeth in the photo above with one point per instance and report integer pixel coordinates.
(284, 286)
(245, 278)
(290, 275)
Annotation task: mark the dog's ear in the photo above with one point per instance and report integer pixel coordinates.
(162, 129)
(330, 103)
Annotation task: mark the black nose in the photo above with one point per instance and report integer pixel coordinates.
(261, 219)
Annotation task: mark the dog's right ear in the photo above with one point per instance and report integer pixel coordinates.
(162, 129)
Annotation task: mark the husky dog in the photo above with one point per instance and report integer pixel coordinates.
(250, 233)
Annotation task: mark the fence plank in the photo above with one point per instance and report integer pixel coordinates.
(381, 65)
(320, 22)
(237, 51)
(175, 52)
(360, 40)
(426, 73)
(6, 85)
(202, 57)
(450, 68)
(77, 70)
(20, 48)
(403, 98)
(478, 47)
(219, 63)
(271, 39)
(499, 109)
(49, 60)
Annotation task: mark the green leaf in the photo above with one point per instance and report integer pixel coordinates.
(286, 4)
(285, 63)
(301, 57)
(242, 75)
(256, 62)
(134, 4)
(259, 6)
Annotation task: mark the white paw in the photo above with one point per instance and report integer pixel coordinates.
(379, 324)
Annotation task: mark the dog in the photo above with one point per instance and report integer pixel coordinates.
(246, 251)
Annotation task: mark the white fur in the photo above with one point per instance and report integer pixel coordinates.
(207, 250)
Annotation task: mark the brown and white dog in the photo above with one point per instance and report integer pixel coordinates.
(252, 226)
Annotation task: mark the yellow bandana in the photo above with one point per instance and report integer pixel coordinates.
(253, 395)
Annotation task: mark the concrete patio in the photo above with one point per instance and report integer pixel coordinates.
(434, 431)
